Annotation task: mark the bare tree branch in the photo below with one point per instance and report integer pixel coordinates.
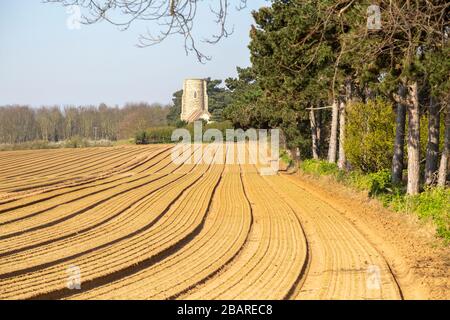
(171, 16)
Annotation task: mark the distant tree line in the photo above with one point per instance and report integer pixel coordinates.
(20, 124)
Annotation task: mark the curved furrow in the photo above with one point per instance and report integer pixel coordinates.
(42, 164)
(114, 178)
(23, 199)
(225, 230)
(83, 170)
(343, 262)
(26, 188)
(272, 258)
(23, 183)
(77, 241)
(175, 221)
(91, 215)
(50, 221)
(36, 160)
(59, 198)
(141, 226)
(66, 248)
(18, 158)
(39, 163)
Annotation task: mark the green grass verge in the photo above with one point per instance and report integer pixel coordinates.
(284, 156)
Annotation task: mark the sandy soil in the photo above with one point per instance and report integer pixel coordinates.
(419, 260)
(135, 225)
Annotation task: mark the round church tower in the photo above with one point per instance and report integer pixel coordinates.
(194, 100)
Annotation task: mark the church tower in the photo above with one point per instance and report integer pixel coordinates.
(194, 101)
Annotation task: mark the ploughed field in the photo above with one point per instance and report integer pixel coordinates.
(130, 223)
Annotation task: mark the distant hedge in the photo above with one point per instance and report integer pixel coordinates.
(164, 134)
(154, 135)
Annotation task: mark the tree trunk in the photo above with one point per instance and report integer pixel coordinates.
(319, 123)
(333, 133)
(399, 144)
(283, 143)
(431, 164)
(442, 177)
(45, 135)
(314, 137)
(413, 140)
(294, 152)
(342, 159)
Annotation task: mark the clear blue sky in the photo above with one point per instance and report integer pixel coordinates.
(43, 62)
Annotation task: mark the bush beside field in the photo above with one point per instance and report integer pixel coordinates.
(369, 135)
(154, 135)
(164, 134)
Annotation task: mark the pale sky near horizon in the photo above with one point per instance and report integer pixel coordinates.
(43, 62)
